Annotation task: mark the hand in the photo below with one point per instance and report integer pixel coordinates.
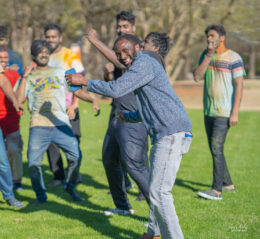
(18, 107)
(71, 111)
(120, 115)
(211, 49)
(109, 67)
(29, 69)
(91, 34)
(233, 120)
(14, 67)
(76, 79)
(95, 106)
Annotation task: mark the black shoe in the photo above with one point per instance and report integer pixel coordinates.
(14, 203)
(17, 187)
(55, 182)
(73, 194)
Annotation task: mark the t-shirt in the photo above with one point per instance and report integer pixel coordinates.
(66, 59)
(46, 94)
(9, 117)
(219, 90)
(15, 59)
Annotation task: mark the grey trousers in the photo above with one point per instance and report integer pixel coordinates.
(165, 159)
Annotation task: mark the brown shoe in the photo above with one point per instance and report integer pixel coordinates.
(147, 236)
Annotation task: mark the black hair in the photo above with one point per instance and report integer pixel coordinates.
(126, 16)
(37, 47)
(3, 31)
(128, 37)
(52, 26)
(3, 49)
(160, 40)
(218, 28)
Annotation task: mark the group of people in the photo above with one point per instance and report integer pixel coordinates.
(144, 103)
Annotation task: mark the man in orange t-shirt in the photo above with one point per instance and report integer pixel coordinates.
(9, 123)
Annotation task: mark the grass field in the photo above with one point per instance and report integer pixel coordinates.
(236, 216)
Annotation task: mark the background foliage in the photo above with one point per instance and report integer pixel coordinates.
(183, 20)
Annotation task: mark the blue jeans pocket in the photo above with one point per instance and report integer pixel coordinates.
(186, 142)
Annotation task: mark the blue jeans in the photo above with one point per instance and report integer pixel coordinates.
(217, 129)
(39, 140)
(165, 159)
(6, 184)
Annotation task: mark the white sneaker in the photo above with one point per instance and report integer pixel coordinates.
(114, 211)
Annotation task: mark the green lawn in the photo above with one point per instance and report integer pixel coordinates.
(236, 216)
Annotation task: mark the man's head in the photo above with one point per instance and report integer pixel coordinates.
(3, 56)
(126, 47)
(216, 34)
(53, 35)
(125, 23)
(3, 36)
(40, 51)
(157, 42)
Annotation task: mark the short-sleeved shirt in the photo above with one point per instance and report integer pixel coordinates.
(219, 89)
(9, 117)
(66, 59)
(46, 94)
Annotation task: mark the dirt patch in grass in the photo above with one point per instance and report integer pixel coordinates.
(191, 94)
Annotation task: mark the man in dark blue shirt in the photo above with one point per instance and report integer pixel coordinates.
(126, 142)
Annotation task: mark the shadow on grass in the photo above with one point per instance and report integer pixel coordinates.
(190, 184)
(96, 220)
(87, 212)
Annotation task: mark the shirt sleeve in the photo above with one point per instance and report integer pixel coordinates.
(132, 117)
(237, 67)
(139, 74)
(201, 58)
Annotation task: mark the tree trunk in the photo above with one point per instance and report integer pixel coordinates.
(252, 61)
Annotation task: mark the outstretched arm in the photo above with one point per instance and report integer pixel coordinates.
(104, 49)
(84, 95)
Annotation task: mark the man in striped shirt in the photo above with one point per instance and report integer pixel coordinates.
(223, 73)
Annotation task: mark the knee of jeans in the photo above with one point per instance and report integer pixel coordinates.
(216, 146)
(34, 170)
(154, 194)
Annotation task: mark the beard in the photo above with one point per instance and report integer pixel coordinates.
(57, 44)
(39, 63)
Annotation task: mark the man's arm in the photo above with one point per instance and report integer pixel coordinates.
(105, 50)
(238, 82)
(109, 72)
(201, 69)
(20, 92)
(139, 74)
(71, 109)
(6, 86)
(130, 117)
(84, 95)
